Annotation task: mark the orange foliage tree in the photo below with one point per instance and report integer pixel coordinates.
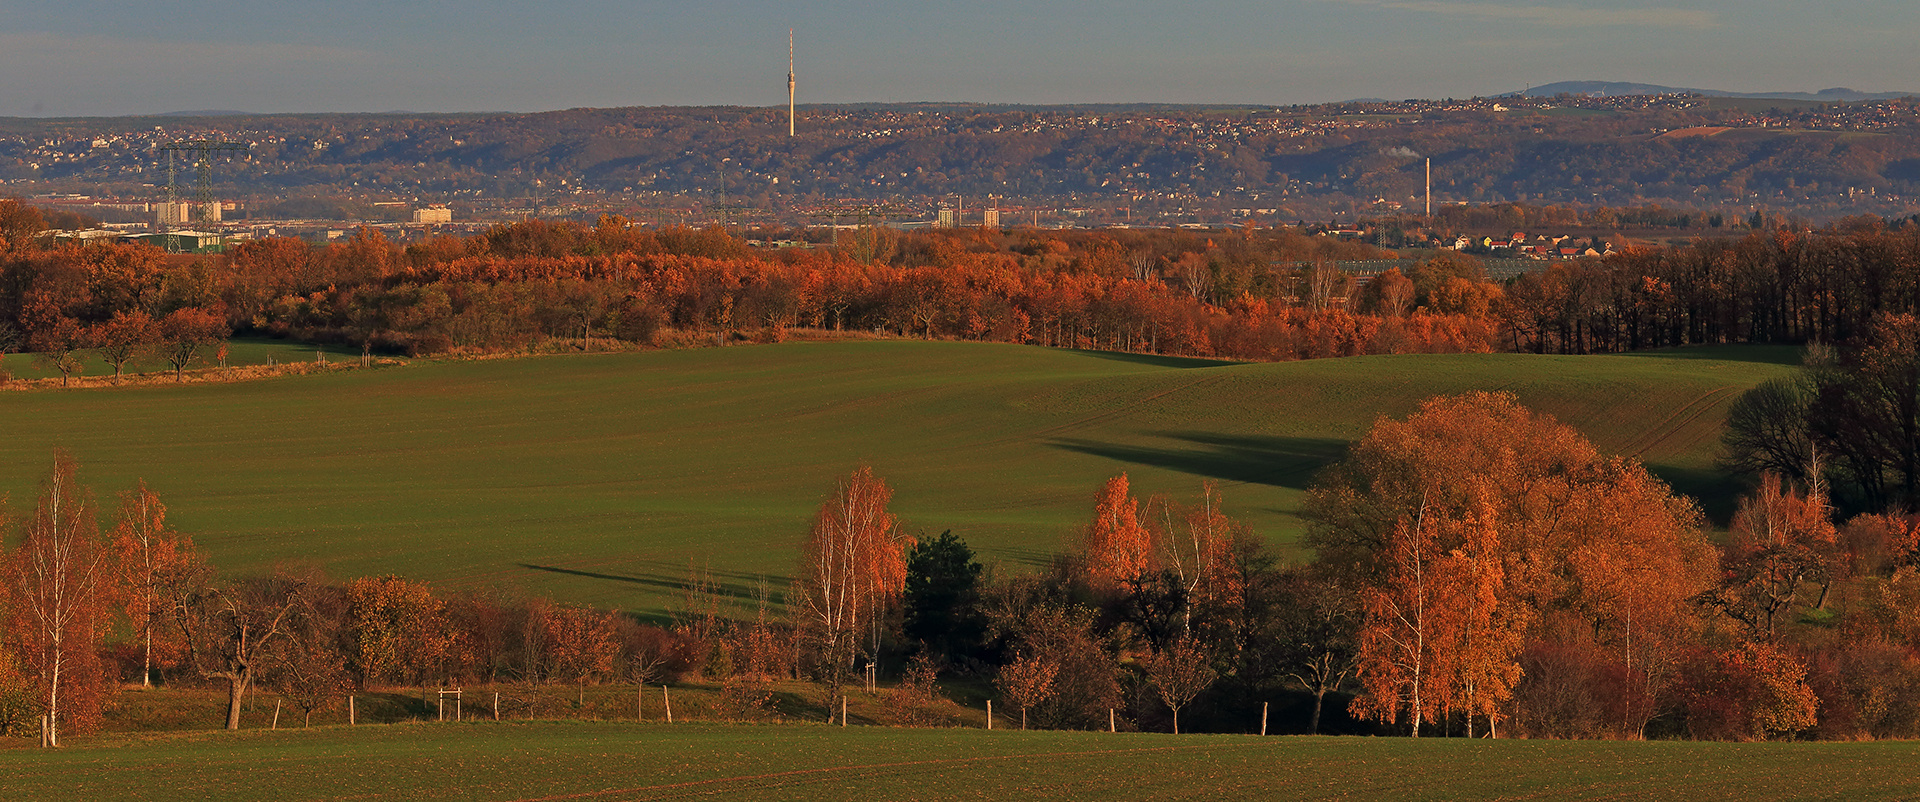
(1197, 544)
(1782, 552)
(57, 581)
(853, 566)
(1117, 545)
(580, 644)
(148, 557)
(1475, 527)
(1745, 693)
(399, 631)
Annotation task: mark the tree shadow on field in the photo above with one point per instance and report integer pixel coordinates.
(1155, 360)
(1253, 459)
(738, 587)
(1792, 355)
(1718, 493)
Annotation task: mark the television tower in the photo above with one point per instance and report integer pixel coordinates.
(789, 83)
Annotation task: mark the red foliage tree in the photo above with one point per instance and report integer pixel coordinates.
(121, 338)
(184, 333)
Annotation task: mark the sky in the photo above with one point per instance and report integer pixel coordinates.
(96, 58)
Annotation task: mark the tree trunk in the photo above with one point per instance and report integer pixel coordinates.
(1313, 721)
(53, 701)
(146, 661)
(236, 692)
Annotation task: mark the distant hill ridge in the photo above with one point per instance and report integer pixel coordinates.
(1616, 88)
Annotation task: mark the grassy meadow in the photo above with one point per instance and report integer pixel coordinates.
(601, 478)
(624, 761)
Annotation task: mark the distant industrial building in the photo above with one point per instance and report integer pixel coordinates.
(437, 213)
(184, 241)
(91, 236)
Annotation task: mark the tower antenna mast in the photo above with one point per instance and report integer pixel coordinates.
(789, 82)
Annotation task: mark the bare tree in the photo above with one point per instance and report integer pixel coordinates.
(230, 628)
(312, 677)
(1179, 673)
(1318, 632)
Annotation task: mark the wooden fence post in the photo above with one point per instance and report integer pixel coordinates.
(1263, 718)
(276, 714)
(639, 710)
(1110, 724)
(989, 714)
(350, 712)
(843, 711)
(667, 700)
(496, 705)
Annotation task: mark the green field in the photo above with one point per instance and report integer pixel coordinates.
(601, 478)
(611, 762)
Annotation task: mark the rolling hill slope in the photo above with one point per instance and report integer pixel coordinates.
(602, 478)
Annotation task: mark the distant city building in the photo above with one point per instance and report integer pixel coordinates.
(947, 217)
(172, 214)
(436, 213)
(182, 212)
(990, 218)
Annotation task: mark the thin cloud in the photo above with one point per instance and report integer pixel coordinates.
(1557, 16)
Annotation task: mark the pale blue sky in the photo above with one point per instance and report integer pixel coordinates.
(88, 57)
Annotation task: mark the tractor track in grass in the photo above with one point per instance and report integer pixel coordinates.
(1679, 421)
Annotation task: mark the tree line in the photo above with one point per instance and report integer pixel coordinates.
(521, 285)
(1476, 569)
(1773, 286)
(89, 612)
(1270, 294)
